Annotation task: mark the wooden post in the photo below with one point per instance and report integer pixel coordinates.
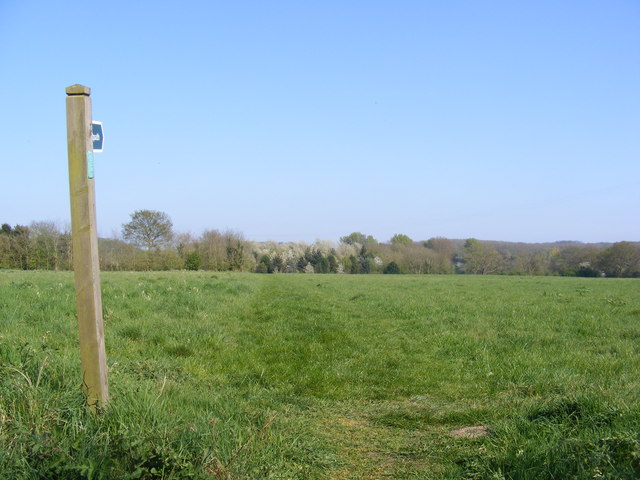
(85, 246)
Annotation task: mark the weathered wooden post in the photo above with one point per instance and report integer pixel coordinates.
(85, 246)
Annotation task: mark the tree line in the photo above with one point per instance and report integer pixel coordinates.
(148, 242)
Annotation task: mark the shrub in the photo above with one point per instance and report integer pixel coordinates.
(392, 268)
(193, 261)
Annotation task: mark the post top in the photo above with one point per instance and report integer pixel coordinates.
(78, 89)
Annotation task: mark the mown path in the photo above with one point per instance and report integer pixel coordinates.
(320, 345)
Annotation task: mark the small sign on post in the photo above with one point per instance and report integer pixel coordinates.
(97, 137)
(85, 245)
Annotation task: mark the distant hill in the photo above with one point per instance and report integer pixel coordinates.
(516, 247)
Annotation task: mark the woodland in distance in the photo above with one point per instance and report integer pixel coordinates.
(148, 242)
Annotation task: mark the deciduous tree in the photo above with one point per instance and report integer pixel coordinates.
(622, 259)
(401, 239)
(480, 257)
(358, 238)
(149, 229)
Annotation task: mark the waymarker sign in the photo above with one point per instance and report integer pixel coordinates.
(97, 137)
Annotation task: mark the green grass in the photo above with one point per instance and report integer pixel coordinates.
(241, 376)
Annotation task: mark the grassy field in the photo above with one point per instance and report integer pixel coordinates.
(245, 376)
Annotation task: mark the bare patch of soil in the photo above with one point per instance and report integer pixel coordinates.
(470, 432)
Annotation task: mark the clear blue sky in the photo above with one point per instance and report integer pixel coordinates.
(293, 120)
